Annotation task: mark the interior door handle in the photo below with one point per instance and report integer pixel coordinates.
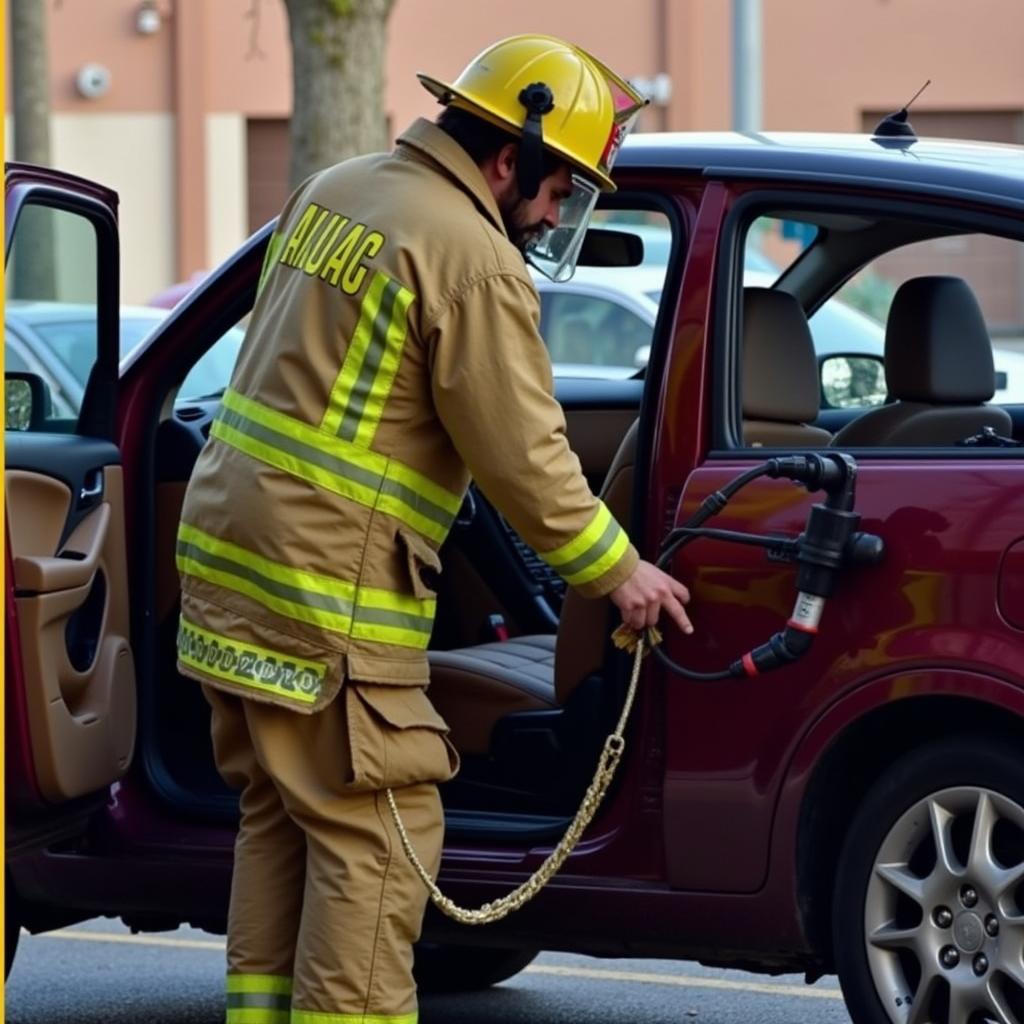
(90, 492)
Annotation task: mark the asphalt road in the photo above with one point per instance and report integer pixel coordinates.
(98, 973)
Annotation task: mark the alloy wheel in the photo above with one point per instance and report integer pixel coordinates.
(944, 911)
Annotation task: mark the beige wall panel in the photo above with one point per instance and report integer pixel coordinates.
(133, 154)
(227, 211)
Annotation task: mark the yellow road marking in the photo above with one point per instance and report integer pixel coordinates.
(554, 970)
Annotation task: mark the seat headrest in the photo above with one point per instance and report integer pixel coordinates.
(937, 348)
(780, 369)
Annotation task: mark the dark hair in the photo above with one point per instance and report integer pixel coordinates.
(481, 139)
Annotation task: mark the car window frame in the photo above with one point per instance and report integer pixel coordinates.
(749, 202)
(97, 416)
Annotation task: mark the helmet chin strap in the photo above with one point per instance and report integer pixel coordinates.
(538, 100)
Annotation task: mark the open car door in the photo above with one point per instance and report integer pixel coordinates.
(70, 677)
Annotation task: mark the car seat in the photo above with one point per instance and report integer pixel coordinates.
(938, 368)
(474, 687)
(781, 389)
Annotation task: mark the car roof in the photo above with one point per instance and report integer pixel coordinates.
(940, 166)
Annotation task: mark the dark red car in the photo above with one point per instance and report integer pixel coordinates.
(858, 809)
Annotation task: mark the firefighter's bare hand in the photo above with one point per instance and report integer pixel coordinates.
(647, 593)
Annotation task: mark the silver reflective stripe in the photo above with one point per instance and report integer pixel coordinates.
(259, 1000)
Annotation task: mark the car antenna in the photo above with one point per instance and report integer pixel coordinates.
(896, 126)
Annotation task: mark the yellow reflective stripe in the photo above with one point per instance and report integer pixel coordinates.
(277, 983)
(382, 634)
(249, 664)
(257, 1015)
(356, 473)
(369, 461)
(324, 601)
(258, 999)
(583, 540)
(300, 579)
(269, 259)
(333, 621)
(374, 597)
(592, 552)
(354, 356)
(391, 357)
(316, 1017)
(293, 466)
(598, 568)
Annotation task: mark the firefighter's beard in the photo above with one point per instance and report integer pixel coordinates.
(515, 212)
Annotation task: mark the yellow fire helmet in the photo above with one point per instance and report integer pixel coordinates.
(558, 96)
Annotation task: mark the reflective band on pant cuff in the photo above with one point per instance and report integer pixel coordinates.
(259, 999)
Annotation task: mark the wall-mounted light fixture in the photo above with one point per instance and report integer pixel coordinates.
(147, 18)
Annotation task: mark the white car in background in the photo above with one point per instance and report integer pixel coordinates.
(600, 324)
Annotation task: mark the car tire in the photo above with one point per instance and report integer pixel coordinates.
(443, 968)
(928, 903)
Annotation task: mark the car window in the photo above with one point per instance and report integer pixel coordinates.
(906, 314)
(212, 371)
(51, 276)
(587, 332)
(993, 268)
(601, 322)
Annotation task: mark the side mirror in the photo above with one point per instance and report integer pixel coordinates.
(27, 401)
(853, 382)
(603, 247)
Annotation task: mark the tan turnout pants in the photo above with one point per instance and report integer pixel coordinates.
(324, 904)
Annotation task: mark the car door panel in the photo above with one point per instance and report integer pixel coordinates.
(71, 682)
(73, 628)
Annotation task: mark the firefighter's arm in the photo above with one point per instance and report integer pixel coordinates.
(492, 388)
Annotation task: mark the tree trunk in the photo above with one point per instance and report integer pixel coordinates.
(338, 49)
(33, 267)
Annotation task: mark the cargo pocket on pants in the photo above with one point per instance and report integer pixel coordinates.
(396, 737)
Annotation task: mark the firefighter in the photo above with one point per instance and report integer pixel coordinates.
(393, 351)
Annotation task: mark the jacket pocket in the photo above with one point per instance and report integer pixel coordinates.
(422, 561)
(396, 737)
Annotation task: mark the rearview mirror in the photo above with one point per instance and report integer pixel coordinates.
(603, 247)
(853, 382)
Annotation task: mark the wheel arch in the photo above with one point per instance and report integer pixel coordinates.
(840, 761)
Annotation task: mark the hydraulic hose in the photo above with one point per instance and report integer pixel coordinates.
(829, 541)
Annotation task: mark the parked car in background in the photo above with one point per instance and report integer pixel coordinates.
(58, 341)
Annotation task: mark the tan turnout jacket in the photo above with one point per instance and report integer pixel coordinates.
(393, 351)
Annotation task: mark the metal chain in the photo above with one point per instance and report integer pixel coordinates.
(614, 746)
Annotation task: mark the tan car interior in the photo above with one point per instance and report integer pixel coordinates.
(73, 630)
(938, 369)
(474, 687)
(780, 373)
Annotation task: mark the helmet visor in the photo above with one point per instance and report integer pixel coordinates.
(554, 252)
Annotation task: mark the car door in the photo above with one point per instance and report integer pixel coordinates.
(70, 694)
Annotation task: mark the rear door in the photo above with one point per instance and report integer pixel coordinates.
(70, 693)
